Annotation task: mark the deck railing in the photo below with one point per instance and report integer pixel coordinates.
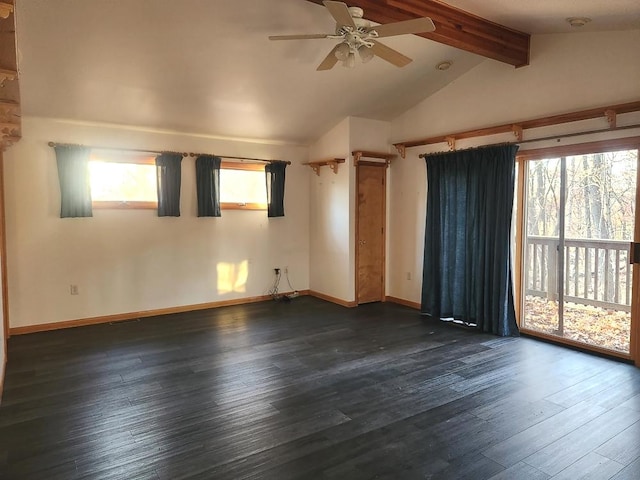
(596, 272)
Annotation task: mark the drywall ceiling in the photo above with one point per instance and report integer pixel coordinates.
(207, 67)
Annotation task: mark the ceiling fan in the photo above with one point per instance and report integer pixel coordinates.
(357, 35)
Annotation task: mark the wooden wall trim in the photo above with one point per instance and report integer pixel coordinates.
(120, 317)
(331, 299)
(402, 301)
(600, 112)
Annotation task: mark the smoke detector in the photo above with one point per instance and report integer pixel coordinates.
(578, 22)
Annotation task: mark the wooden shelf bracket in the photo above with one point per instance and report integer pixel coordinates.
(451, 141)
(8, 140)
(9, 129)
(611, 117)
(332, 163)
(517, 131)
(6, 9)
(402, 150)
(7, 75)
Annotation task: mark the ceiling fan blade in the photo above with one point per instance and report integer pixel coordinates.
(329, 61)
(390, 55)
(297, 37)
(340, 12)
(416, 25)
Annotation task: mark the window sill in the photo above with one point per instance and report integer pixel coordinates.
(242, 206)
(125, 205)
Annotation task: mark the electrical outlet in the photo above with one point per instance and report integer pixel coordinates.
(73, 290)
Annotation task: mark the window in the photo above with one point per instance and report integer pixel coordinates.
(128, 180)
(242, 186)
(122, 180)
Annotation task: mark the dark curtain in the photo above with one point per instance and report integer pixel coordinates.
(208, 185)
(73, 175)
(467, 254)
(168, 169)
(275, 188)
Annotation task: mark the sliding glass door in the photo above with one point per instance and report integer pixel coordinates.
(577, 280)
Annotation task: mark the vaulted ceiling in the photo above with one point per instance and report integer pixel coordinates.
(207, 67)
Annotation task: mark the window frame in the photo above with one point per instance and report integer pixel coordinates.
(146, 159)
(582, 148)
(129, 158)
(255, 167)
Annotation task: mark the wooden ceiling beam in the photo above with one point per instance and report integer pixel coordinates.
(454, 27)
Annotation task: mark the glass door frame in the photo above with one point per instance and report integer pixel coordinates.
(523, 157)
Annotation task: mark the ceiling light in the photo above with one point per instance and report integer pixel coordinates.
(342, 52)
(444, 65)
(350, 62)
(366, 54)
(578, 21)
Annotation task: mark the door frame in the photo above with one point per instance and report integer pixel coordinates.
(384, 165)
(523, 157)
(635, 303)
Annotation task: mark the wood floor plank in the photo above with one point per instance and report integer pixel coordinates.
(558, 455)
(521, 445)
(623, 448)
(590, 467)
(632, 403)
(311, 390)
(520, 471)
(630, 472)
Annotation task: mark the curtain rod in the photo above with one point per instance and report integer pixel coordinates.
(116, 149)
(243, 158)
(184, 154)
(542, 139)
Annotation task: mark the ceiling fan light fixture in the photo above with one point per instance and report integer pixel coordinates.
(350, 62)
(342, 52)
(366, 54)
(356, 34)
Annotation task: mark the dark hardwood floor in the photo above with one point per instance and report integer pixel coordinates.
(311, 390)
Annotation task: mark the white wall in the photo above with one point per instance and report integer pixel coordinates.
(330, 217)
(131, 260)
(568, 72)
(333, 204)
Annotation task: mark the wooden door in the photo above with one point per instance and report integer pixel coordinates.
(370, 224)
